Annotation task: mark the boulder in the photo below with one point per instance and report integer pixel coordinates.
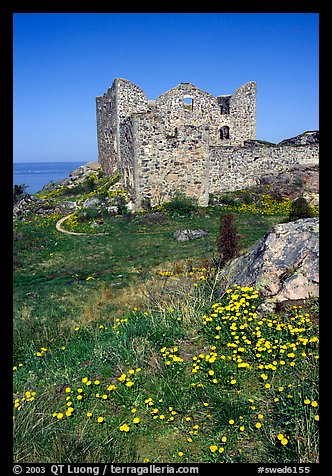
(93, 202)
(25, 204)
(186, 235)
(66, 207)
(283, 265)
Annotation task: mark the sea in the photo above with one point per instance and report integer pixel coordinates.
(37, 174)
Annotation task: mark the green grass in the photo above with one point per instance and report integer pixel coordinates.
(134, 305)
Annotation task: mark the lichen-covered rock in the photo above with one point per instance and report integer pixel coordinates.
(283, 265)
(186, 235)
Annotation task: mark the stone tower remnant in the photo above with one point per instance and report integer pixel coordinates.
(187, 141)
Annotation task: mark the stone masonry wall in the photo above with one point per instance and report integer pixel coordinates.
(189, 141)
(107, 131)
(166, 165)
(235, 168)
(121, 100)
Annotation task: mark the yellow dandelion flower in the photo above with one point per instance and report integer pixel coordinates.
(136, 420)
(100, 419)
(125, 427)
(59, 416)
(213, 448)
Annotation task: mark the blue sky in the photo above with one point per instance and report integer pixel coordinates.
(62, 61)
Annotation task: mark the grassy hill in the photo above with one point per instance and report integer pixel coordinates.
(125, 352)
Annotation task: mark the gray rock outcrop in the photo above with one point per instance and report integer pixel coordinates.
(186, 235)
(283, 265)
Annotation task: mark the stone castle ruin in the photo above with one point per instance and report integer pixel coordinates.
(190, 142)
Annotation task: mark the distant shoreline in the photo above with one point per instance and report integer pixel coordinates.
(37, 174)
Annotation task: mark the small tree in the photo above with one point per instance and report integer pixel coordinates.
(228, 238)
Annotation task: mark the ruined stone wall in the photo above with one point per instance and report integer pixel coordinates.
(242, 110)
(188, 105)
(166, 165)
(127, 163)
(235, 168)
(130, 99)
(107, 126)
(189, 141)
(120, 101)
(231, 119)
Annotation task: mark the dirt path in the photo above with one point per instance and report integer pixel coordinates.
(59, 227)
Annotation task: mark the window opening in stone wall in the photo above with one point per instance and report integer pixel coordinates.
(188, 103)
(224, 104)
(224, 132)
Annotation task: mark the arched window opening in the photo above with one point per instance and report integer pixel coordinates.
(224, 132)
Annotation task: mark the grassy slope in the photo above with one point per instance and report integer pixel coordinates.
(90, 329)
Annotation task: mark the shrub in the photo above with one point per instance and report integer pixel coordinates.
(146, 204)
(90, 184)
(229, 200)
(300, 209)
(18, 191)
(247, 197)
(88, 214)
(121, 204)
(181, 205)
(228, 238)
(76, 190)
